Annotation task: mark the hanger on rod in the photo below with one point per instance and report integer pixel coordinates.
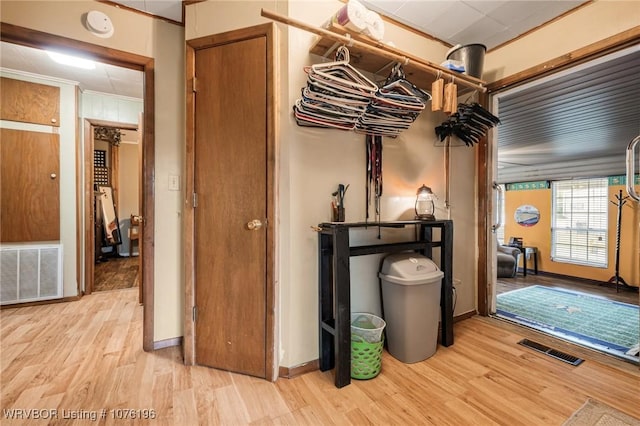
(469, 123)
(394, 107)
(383, 51)
(336, 94)
(342, 72)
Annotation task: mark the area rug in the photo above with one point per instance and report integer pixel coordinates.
(596, 413)
(596, 322)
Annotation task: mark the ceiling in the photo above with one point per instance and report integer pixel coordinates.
(573, 124)
(488, 22)
(527, 141)
(104, 78)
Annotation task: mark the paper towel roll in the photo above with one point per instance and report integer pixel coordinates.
(375, 25)
(352, 16)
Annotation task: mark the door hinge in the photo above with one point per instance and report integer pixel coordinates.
(194, 201)
(194, 84)
(194, 312)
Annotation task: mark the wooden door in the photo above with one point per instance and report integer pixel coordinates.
(233, 180)
(30, 186)
(140, 210)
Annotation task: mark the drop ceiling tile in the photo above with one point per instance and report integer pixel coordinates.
(496, 39)
(480, 31)
(512, 12)
(119, 73)
(485, 7)
(168, 9)
(389, 7)
(456, 19)
(134, 4)
(423, 13)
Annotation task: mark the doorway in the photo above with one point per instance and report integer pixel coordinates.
(113, 154)
(546, 157)
(40, 40)
(230, 229)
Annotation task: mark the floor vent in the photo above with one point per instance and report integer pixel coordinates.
(569, 359)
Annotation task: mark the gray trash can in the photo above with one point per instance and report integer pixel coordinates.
(411, 301)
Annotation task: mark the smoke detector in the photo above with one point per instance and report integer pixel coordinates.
(99, 24)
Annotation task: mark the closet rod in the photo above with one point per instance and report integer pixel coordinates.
(386, 52)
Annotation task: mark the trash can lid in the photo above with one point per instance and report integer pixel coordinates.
(409, 268)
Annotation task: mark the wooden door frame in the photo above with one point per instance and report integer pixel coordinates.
(484, 161)
(264, 30)
(41, 40)
(89, 226)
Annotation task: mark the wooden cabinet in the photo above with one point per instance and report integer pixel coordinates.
(28, 102)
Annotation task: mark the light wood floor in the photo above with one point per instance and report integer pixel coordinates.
(86, 355)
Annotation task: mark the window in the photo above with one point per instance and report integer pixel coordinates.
(580, 220)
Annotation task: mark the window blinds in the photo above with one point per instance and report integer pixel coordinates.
(580, 221)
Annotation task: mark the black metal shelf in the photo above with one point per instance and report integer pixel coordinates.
(335, 284)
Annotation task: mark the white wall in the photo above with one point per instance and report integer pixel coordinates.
(108, 107)
(314, 161)
(154, 38)
(68, 152)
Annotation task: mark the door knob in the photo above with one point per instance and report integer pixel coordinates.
(254, 225)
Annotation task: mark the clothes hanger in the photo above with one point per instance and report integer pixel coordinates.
(358, 79)
(397, 79)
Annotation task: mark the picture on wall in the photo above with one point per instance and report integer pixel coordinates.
(109, 217)
(527, 215)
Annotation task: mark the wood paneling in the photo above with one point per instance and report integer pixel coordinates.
(30, 186)
(30, 102)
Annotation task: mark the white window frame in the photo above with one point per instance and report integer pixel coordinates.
(579, 223)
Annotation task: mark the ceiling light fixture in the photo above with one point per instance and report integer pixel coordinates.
(98, 23)
(72, 61)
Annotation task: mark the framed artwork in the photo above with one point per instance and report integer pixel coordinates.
(527, 215)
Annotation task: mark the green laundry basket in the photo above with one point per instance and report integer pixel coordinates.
(366, 358)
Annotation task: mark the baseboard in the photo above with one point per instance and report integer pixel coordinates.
(465, 316)
(40, 302)
(291, 372)
(588, 281)
(167, 343)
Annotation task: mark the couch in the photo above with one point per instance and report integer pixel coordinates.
(507, 261)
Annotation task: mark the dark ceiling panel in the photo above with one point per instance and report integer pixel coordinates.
(588, 114)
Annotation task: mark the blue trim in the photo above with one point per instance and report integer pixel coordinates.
(622, 180)
(525, 186)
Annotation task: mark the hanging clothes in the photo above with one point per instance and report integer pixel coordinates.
(374, 174)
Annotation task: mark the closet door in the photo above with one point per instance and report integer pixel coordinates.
(28, 102)
(233, 179)
(29, 186)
